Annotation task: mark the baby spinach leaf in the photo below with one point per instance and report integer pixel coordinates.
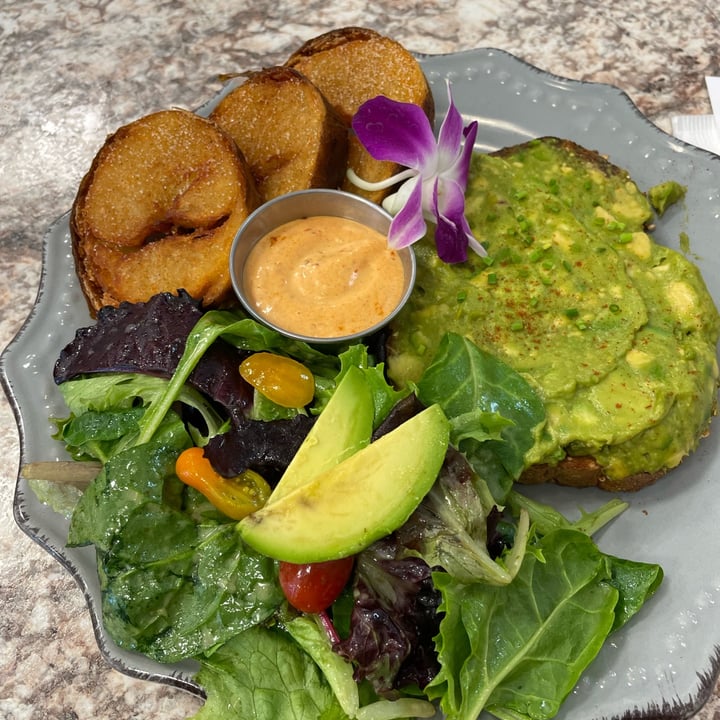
(174, 585)
(466, 381)
(94, 435)
(128, 480)
(508, 649)
(636, 582)
(173, 590)
(264, 674)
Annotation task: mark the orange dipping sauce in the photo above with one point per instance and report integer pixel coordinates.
(324, 277)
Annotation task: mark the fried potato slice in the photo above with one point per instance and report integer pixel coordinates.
(290, 135)
(352, 65)
(158, 211)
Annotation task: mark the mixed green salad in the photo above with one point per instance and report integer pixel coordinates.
(480, 599)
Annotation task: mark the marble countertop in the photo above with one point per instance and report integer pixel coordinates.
(73, 72)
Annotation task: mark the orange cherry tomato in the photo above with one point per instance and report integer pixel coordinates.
(236, 497)
(281, 379)
(313, 587)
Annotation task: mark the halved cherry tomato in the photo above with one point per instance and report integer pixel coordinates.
(313, 587)
(236, 497)
(279, 378)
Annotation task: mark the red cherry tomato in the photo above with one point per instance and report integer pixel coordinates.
(313, 587)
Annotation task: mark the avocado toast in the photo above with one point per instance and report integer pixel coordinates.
(617, 333)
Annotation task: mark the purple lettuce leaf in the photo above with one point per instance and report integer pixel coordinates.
(149, 338)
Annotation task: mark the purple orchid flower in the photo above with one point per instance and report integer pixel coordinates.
(436, 175)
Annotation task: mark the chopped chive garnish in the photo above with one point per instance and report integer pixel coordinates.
(614, 308)
(625, 237)
(462, 296)
(517, 325)
(572, 312)
(535, 255)
(567, 265)
(492, 278)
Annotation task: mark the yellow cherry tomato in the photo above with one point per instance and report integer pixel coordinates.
(281, 379)
(236, 497)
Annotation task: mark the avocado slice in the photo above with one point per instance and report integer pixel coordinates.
(343, 428)
(361, 499)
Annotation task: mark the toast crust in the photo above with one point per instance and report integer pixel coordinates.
(584, 472)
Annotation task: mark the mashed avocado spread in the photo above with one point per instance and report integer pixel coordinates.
(617, 333)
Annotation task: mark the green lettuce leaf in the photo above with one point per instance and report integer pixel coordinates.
(265, 675)
(449, 529)
(107, 412)
(546, 518)
(385, 396)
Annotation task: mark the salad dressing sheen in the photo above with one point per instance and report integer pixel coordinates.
(324, 277)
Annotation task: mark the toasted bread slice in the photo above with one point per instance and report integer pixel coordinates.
(617, 333)
(262, 115)
(158, 211)
(352, 65)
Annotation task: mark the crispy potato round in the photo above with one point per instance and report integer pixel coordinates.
(158, 210)
(352, 65)
(284, 154)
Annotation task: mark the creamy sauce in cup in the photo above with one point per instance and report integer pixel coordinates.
(324, 277)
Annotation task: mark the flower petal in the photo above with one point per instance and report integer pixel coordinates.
(451, 242)
(396, 131)
(451, 233)
(450, 135)
(463, 171)
(408, 226)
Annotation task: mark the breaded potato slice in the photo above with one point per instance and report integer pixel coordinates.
(290, 135)
(158, 211)
(352, 65)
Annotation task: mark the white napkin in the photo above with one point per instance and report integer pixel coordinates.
(702, 130)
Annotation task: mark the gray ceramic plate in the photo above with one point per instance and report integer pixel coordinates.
(664, 663)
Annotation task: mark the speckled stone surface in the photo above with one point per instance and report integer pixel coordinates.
(73, 72)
